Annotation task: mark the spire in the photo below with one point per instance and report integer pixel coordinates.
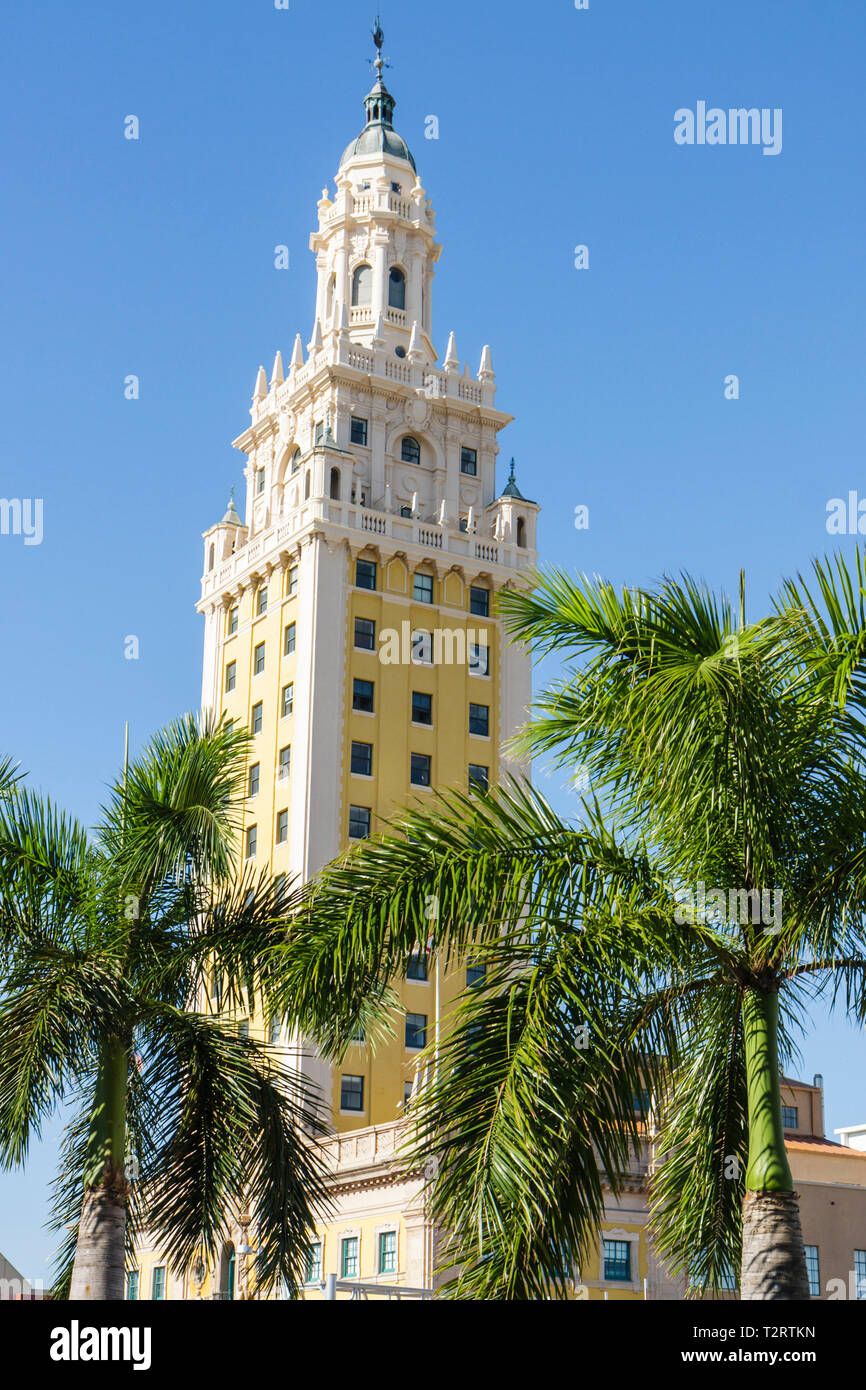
(297, 354)
(261, 389)
(316, 341)
(414, 341)
(379, 101)
(277, 373)
(511, 488)
(451, 358)
(231, 517)
(485, 371)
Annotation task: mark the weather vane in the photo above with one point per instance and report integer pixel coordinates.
(379, 38)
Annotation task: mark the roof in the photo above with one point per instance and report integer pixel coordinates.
(813, 1141)
(379, 138)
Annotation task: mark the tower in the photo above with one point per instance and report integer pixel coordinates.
(349, 605)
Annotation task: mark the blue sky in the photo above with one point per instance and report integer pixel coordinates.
(155, 257)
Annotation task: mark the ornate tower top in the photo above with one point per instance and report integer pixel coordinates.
(379, 135)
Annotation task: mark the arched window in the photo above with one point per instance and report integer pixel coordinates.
(410, 450)
(362, 286)
(521, 532)
(296, 460)
(335, 484)
(397, 289)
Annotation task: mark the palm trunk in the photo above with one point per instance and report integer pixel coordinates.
(98, 1270)
(774, 1261)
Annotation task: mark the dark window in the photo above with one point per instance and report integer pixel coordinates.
(416, 1030)
(478, 777)
(397, 289)
(521, 533)
(282, 827)
(359, 822)
(410, 450)
(254, 779)
(233, 620)
(420, 775)
(422, 646)
(388, 1252)
(257, 718)
(319, 431)
(288, 701)
(290, 640)
(617, 1261)
(641, 1103)
(479, 601)
(362, 696)
(292, 587)
(349, 1261)
(789, 1116)
(252, 841)
(362, 759)
(479, 659)
(296, 460)
(352, 1093)
(132, 1285)
(365, 574)
(365, 634)
(314, 1264)
(813, 1271)
(358, 431)
(423, 588)
(396, 188)
(469, 461)
(259, 659)
(406, 511)
(335, 485)
(417, 967)
(422, 708)
(479, 720)
(262, 600)
(260, 481)
(475, 974)
(284, 766)
(231, 676)
(362, 286)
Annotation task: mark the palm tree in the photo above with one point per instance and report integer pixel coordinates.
(658, 954)
(105, 949)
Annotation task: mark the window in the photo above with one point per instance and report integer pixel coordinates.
(789, 1116)
(410, 450)
(617, 1261)
(253, 787)
(813, 1271)
(641, 1103)
(233, 621)
(158, 1286)
(318, 433)
(349, 1262)
(479, 720)
(362, 286)
(284, 766)
(358, 431)
(476, 973)
(365, 574)
(257, 718)
(728, 1278)
(260, 481)
(365, 635)
(422, 708)
(132, 1282)
(387, 1252)
(231, 676)
(282, 827)
(469, 461)
(352, 1093)
(359, 822)
(262, 600)
(288, 705)
(276, 1028)
(423, 588)
(357, 1035)
(313, 1273)
(479, 659)
(362, 696)
(334, 489)
(406, 511)
(416, 1030)
(407, 1092)
(252, 841)
(479, 601)
(417, 967)
(362, 759)
(422, 647)
(420, 772)
(396, 188)
(292, 587)
(296, 460)
(479, 776)
(860, 1273)
(258, 659)
(290, 640)
(521, 533)
(396, 289)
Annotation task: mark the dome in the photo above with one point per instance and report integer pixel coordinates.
(378, 138)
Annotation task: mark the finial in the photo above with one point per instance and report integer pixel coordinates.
(379, 38)
(511, 477)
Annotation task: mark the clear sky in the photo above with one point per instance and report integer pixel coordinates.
(155, 257)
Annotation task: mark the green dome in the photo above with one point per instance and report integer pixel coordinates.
(379, 138)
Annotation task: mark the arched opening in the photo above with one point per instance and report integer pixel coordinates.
(307, 485)
(335, 484)
(397, 289)
(521, 533)
(362, 286)
(210, 559)
(410, 450)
